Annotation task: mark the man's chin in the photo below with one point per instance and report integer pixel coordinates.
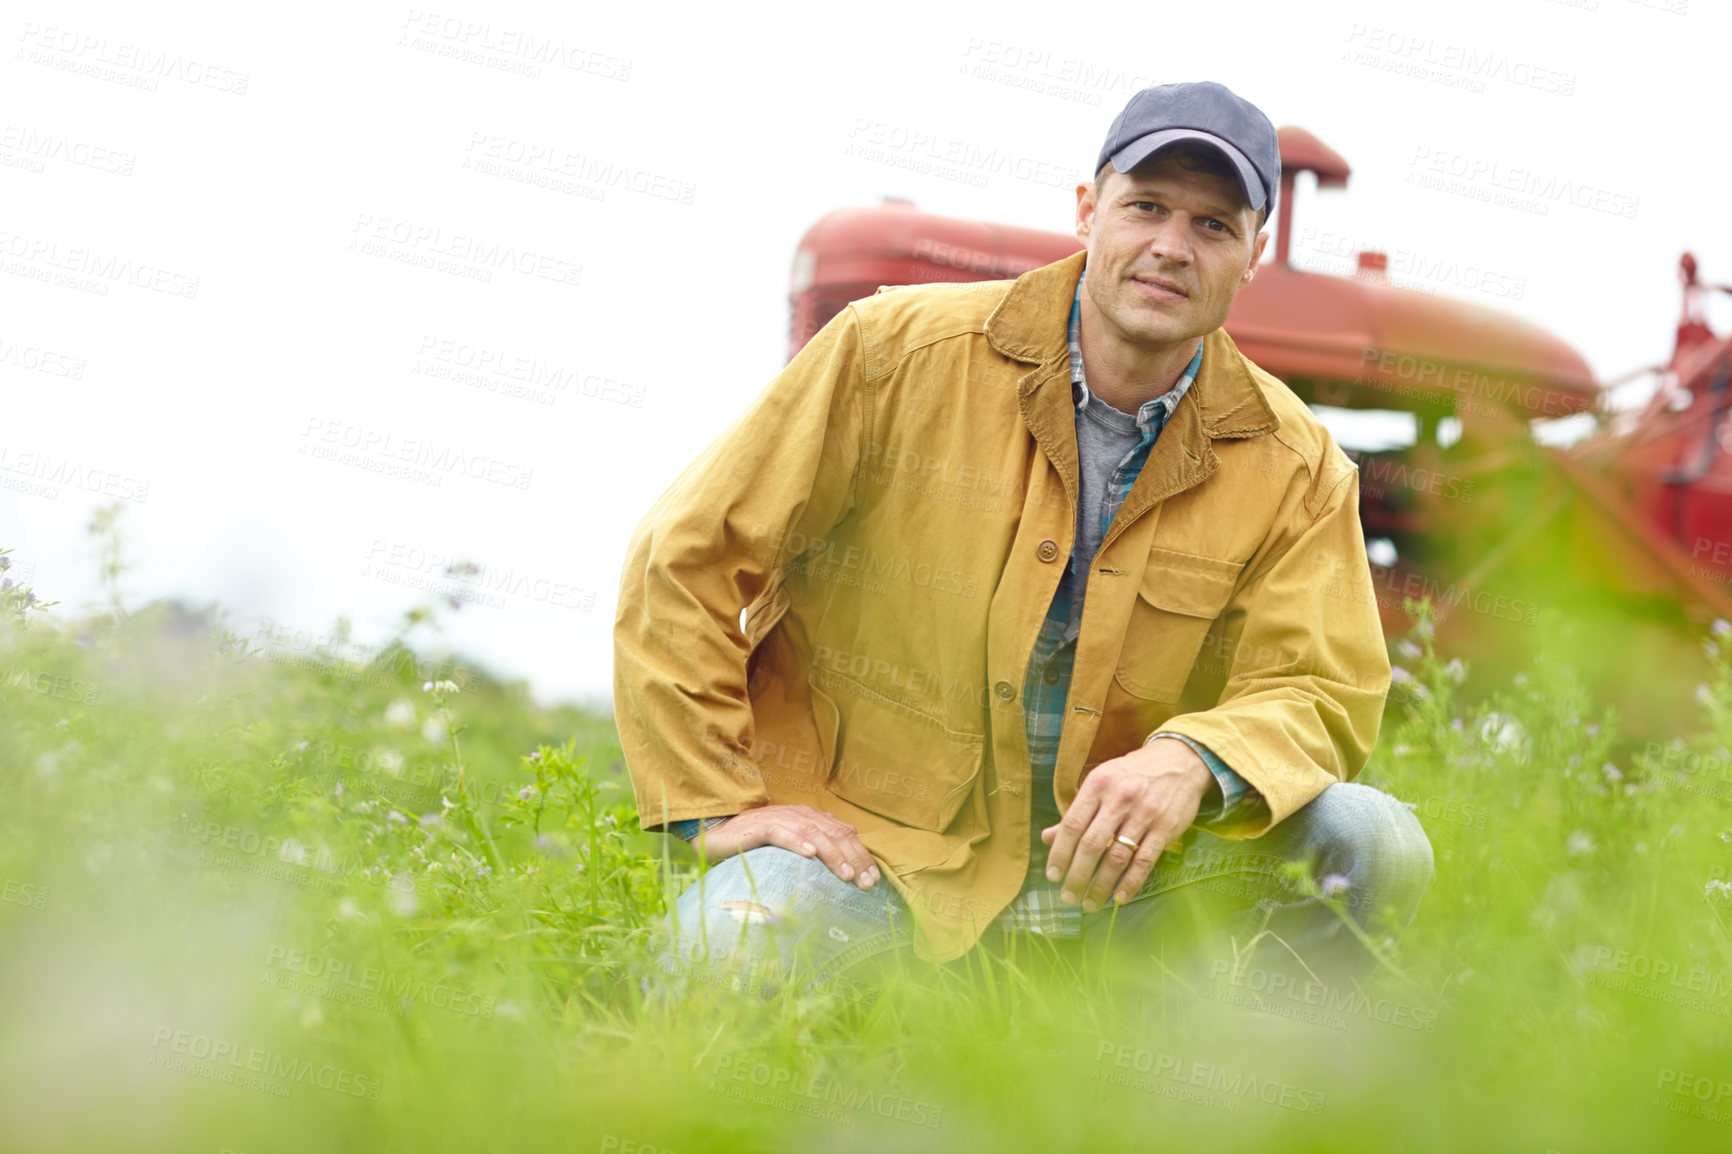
(1163, 336)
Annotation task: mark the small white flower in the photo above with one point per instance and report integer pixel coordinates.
(1335, 884)
(440, 687)
(401, 713)
(1505, 733)
(402, 898)
(1612, 772)
(1409, 650)
(1704, 696)
(1579, 844)
(1721, 628)
(1455, 670)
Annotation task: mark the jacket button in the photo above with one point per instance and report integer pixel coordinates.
(1005, 690)
(1048, 551)
(1051, 675)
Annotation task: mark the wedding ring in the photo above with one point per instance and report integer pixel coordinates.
(1126, 842)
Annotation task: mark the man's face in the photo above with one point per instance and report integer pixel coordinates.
(1168, 246)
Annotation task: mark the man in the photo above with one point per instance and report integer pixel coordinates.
(915, 734)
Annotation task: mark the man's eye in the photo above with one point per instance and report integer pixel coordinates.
(1215, 225)
(1144, 204)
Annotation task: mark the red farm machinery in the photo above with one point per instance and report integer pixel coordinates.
(1615, 551)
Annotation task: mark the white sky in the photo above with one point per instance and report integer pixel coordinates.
(747, 112)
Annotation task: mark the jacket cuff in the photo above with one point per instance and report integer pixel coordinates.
(1233, 800)
(690, 828)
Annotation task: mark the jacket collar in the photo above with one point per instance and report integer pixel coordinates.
(1030, 324)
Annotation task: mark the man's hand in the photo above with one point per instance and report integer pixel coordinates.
(798, 828)
(1151, 796)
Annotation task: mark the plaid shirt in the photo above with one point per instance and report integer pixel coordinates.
(1037, 908)
(1046, 685)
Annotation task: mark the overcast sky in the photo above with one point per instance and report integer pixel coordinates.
(233, 246)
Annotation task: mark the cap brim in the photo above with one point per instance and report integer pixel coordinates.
(1144, 147)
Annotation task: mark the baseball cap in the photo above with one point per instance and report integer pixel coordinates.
(1204, 111)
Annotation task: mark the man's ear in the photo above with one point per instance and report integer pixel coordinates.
(1085, 210)
(1257, 247)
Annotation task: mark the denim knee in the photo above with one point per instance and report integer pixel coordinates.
(763, 915)
(1362, 837)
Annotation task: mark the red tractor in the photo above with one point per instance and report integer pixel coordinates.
(1615, 551)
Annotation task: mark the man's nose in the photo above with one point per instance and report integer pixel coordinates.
(1172, 239)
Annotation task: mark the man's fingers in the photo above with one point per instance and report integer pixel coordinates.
(1148, 853)
(1070, 831)
(1117, 858)
(1141, 825)
(807, 839)
(848, 844)
(1095, 843)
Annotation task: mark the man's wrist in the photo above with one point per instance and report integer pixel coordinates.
(691, 827)
(1225, 789)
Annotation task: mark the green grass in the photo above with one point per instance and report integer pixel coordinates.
(449, 951)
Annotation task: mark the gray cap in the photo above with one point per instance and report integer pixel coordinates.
(1205, 111)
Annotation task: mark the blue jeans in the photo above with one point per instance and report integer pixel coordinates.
(768, 918)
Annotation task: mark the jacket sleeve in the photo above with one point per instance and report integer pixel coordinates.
(1303, 700)
(766, 490)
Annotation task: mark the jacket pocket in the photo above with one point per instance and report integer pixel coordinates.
(895, 761)
(1180, 596)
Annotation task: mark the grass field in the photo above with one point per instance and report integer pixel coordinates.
(261, 896)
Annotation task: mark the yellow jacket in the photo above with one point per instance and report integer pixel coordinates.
(894, 513)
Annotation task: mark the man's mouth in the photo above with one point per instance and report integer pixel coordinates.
(1160, 289)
